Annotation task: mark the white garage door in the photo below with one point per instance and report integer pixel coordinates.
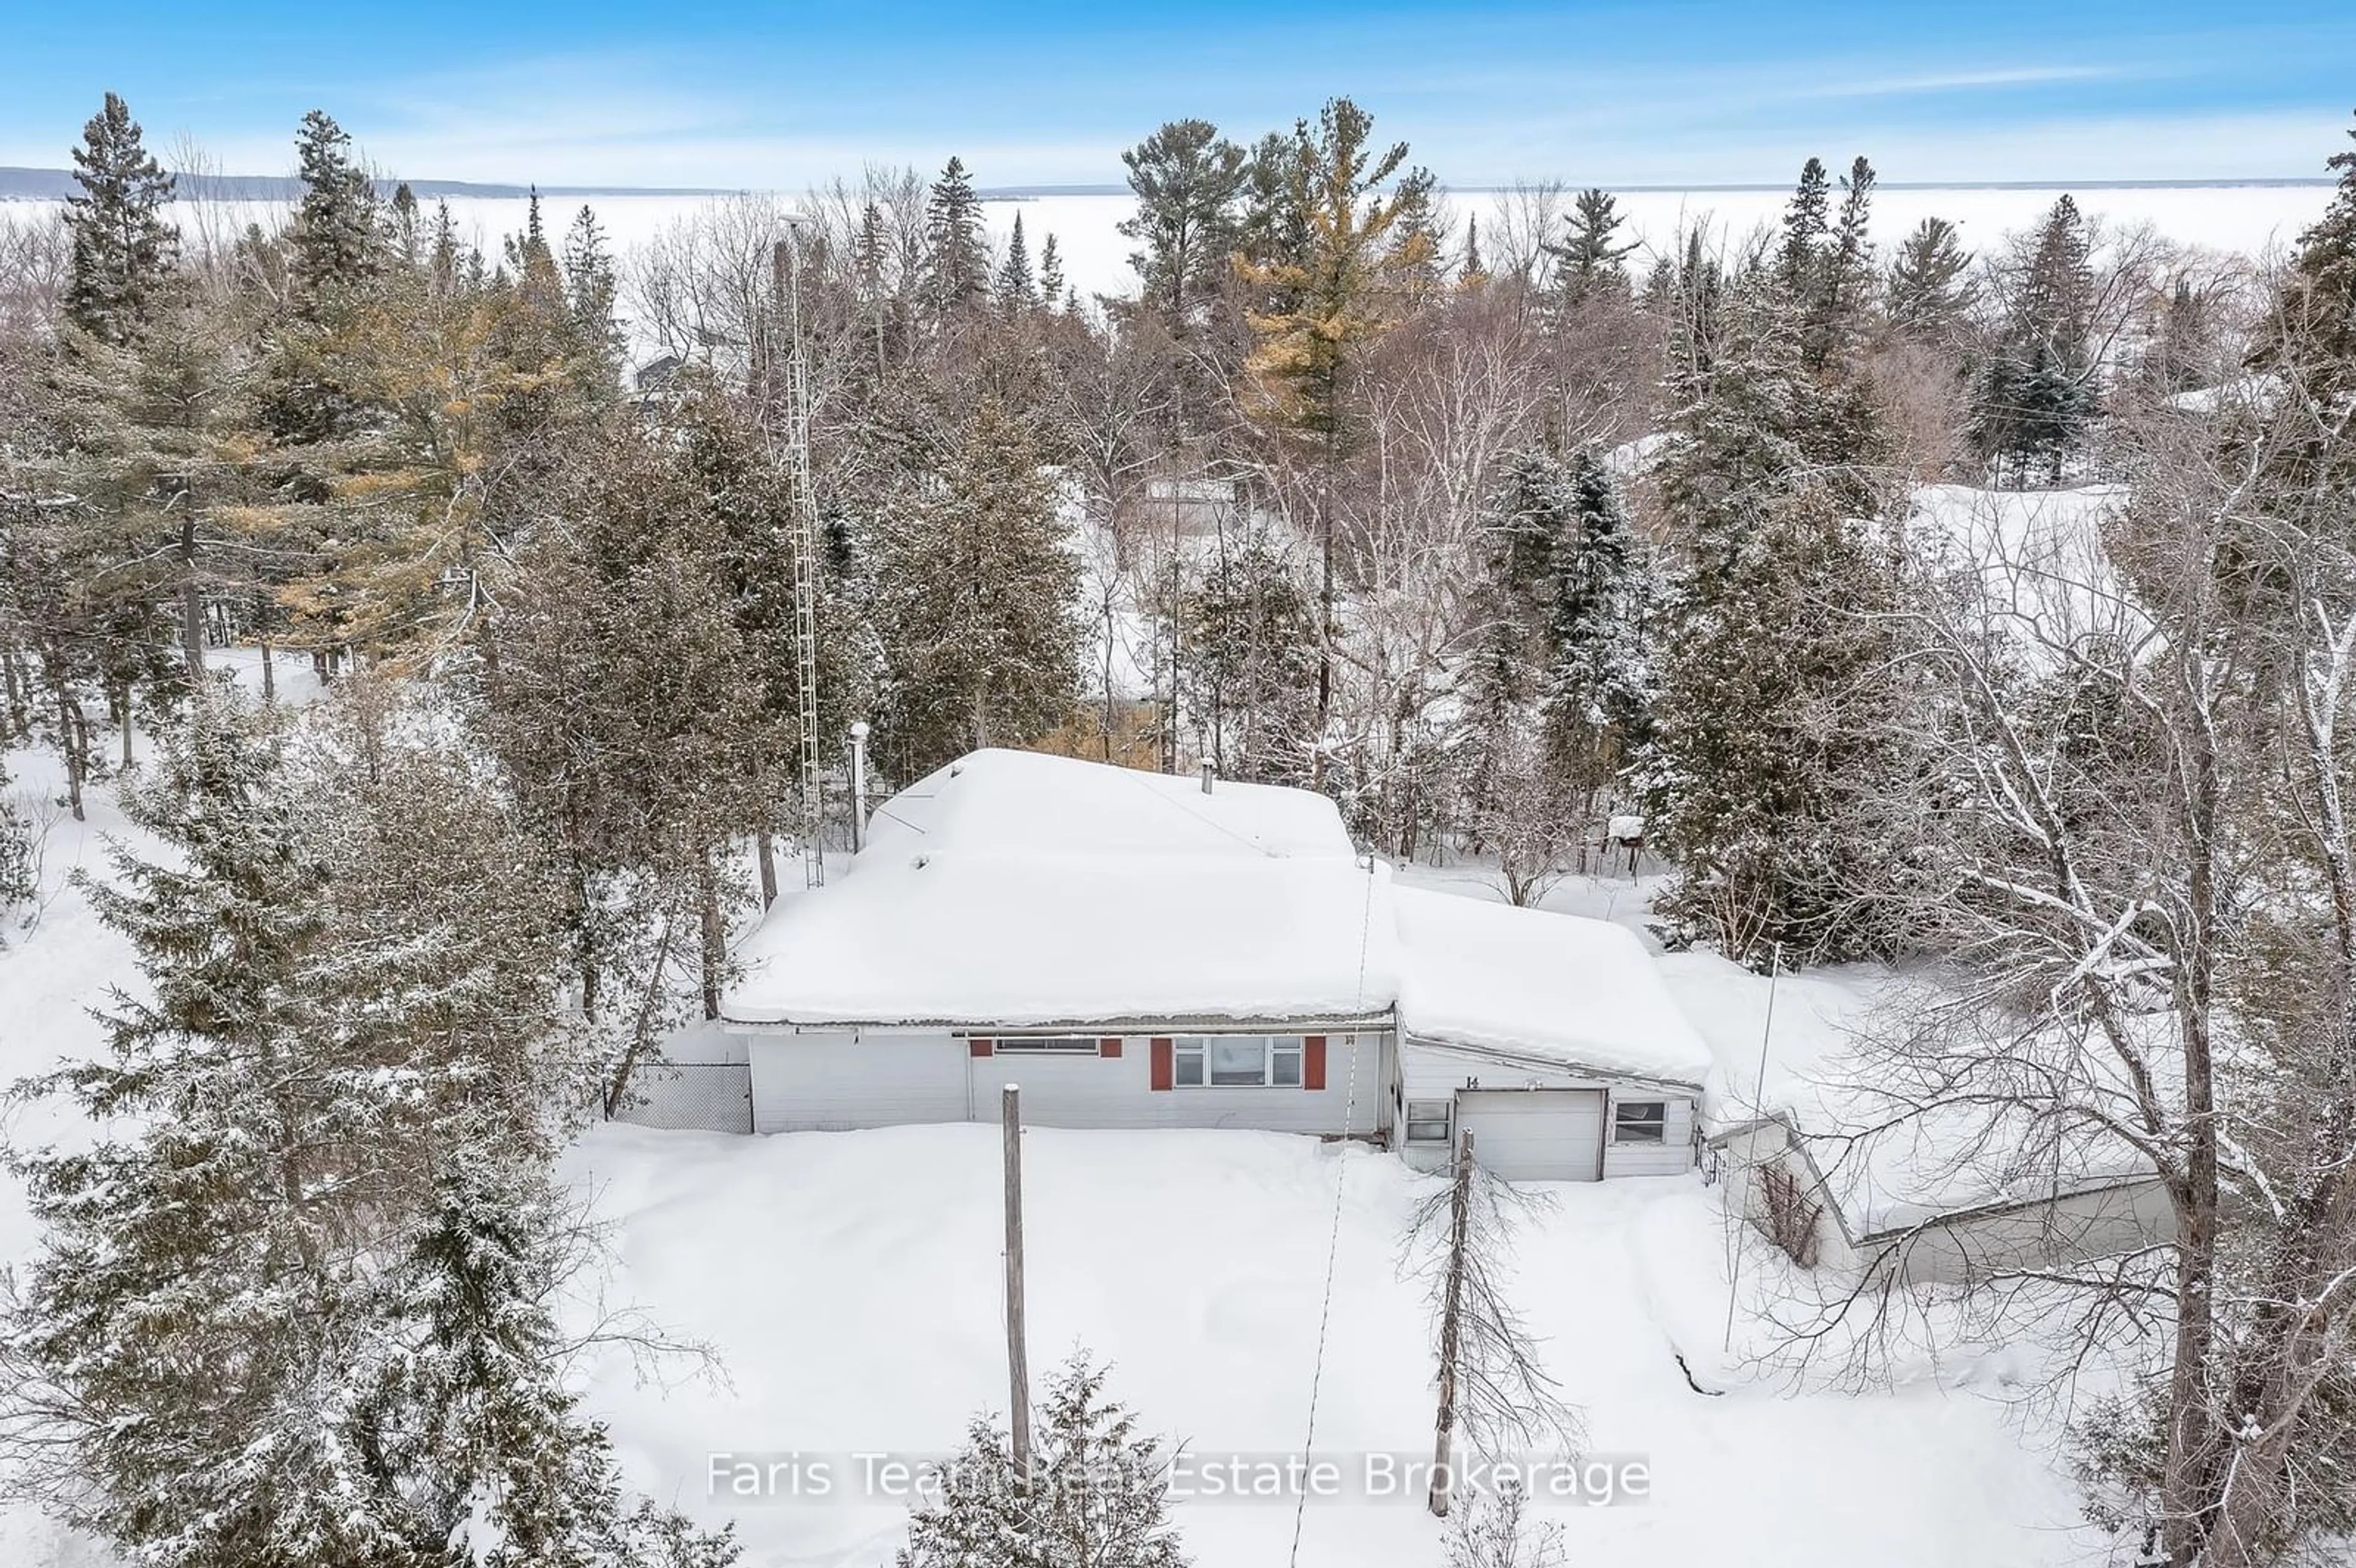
(1534, 1134)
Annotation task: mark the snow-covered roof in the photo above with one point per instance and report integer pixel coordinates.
(1891, 1154)
(1017, 888)
(1528, 983)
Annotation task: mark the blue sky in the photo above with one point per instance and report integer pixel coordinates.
(684, 92)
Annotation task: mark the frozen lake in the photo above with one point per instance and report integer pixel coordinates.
(2249, 218)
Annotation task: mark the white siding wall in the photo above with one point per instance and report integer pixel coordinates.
(1430, 1072)
(1968, 1247)
(2066, 1230)
(828, 1082)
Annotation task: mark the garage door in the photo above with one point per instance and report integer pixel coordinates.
(1534, 1134)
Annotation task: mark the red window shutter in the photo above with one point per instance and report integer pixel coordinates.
(1313, 1061)
(1109, 1046)
(1165, 1067)
(978, 1047)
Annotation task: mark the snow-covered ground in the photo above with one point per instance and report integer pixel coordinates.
(848, 1284)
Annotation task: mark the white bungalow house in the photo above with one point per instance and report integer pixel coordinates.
(1136, 950)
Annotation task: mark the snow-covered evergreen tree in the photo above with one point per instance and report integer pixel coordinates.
(2038, 392)
(956, 251)
(1016, 289)
(335, 236)
(1591, 258)
(1188, 180)
(1248, 662)
(1097, 1495)
(123, 251)
(291, 1303)
(1771, 742)
(1930, 291)
(978, 598)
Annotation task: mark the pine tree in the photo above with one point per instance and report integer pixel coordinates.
(1247, 644)
(957, 254)
(1050, 275)
(1188, 180)
(123, 251)
(1806, 225)
(335, 235)
(1343, 291)
(2312, 330)
(1771, 746)
(2038, 393)
(1598, 683)
(292, 1306)
(1017, 289)
(1472, 269)
(1274, 228)
(979, 599)
(1097, 1496)
(1590, 260)
(1930, 294)
(591, 291)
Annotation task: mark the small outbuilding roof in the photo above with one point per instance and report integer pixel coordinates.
(1528, 982)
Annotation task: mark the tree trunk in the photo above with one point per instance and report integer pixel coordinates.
(765, 846)
(192, 599)
(74, 740)
(714, 952)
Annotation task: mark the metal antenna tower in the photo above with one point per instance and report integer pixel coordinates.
(803, 542)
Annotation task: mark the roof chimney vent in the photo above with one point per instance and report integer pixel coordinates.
(1210, 772)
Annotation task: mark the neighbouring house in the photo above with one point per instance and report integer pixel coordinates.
(1138, 950)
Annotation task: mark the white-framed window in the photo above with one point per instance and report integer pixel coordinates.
(1427, 1121)
(1236, 1062)
(1047, 1045)
(1640, 1121)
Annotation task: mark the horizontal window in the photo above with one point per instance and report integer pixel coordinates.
(1427, 1121)
(1236, 1062)
(1640, 1121)
(1047, 1045)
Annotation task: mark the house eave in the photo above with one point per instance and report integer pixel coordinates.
(1535, 1063)
(1134, 1024)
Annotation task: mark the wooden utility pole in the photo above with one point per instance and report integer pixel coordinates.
(1444, 1427)
(1018, 1364)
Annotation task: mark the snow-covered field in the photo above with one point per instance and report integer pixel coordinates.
(849, 1282)
(2240, 218)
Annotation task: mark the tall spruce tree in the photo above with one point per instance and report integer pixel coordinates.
(1017, 289)
(978, 597)
(1771, 745)
(2038, 393)
(1188, 181)
(957, 252)
(123, 251)
(335, 236)
(230, 1338)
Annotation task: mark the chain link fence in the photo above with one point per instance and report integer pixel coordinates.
(690, 1096)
